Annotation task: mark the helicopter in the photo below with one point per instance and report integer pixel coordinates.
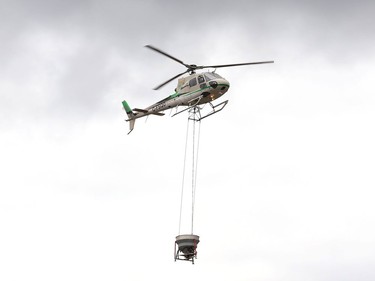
(191, 91)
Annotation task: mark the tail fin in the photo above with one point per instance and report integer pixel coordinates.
(130, 114)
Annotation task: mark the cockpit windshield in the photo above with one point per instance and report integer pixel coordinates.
(211, 75)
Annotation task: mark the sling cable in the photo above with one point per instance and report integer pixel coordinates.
(186, 244)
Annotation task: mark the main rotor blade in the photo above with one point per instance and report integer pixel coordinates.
(165, 54)
(236, 64)
(166, 82)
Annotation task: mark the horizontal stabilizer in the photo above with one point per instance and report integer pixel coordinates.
(157, 113)
(140, 110)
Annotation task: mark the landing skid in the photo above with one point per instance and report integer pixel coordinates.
(195, 107)
(220, 107)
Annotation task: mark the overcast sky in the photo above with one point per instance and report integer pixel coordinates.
(286, 181)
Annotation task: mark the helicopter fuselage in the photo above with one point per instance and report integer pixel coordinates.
(195, 89)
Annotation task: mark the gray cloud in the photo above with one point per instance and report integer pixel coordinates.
(66, 60)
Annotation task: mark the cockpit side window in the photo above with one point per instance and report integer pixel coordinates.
(193, 82)
(200, 79)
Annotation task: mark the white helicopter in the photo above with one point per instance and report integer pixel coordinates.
(192, 90)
